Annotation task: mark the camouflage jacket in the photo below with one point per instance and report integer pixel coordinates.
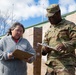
(65, 33)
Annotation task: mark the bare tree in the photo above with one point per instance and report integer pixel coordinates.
(5, 20)
(3, 23)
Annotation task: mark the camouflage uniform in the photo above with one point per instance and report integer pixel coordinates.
(61, 63)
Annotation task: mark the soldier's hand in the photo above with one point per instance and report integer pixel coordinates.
(46, 49)
(60, 47)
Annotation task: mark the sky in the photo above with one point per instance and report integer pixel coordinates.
(31, 12)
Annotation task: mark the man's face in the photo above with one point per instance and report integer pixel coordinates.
(55, 18)
(17, 32)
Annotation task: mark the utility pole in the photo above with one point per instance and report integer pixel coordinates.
(12, 13)
(42, 12)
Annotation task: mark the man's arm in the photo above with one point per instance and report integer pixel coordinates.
(45, 48)
(72, 42)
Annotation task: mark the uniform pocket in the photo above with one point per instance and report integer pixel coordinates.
(64, 34)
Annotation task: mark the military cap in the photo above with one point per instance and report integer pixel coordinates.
(52, 9)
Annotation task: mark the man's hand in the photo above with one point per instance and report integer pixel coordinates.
(46, 49)
(60, 47)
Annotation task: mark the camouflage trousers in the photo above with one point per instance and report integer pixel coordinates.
(69, 70)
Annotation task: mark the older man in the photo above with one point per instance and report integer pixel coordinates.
(62, 37)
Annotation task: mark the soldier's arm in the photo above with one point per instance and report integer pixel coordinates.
(45, 49)
(72, 34)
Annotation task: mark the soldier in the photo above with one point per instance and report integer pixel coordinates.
(62, 37)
